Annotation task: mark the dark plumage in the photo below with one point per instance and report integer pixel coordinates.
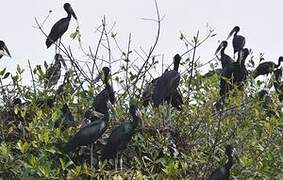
(3, 49)
(267, 67)
(53, 73)
(121, 135)
(107, 94)
(224, 58)
(167, 83)
(61, 26)
(223, 172)
(164, 88)
(238, 40)
(235, 73)
(88, 134)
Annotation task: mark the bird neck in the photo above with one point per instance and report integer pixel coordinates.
(176, 65)
(222, 51)
(69, 16)
(279, 63)
(229, 164)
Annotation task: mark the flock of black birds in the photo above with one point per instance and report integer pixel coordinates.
(161, 89)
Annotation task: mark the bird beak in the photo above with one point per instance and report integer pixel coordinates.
(219, 48)
(7, 51)
(231, 33)
(72, 12)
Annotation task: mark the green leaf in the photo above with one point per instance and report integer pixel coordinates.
(2, 72)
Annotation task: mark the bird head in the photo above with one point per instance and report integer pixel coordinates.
(222, 45)
(235, 30)
(69, 10)
(4, 48)
(105, 74)
(177, 58)
(281, 59)
(229, 150)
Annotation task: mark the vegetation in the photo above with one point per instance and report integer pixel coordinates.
(169, 144)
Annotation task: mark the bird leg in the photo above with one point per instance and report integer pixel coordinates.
(116, 162)
(91, 155)
(121, 162)
(59, 45)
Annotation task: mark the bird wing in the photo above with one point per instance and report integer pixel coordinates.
(58, 29)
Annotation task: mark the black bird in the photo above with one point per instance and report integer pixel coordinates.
(53, 73)
(3, 49)
(166, 85)
(224, 58)
(61, 26)
(238, 40)
(223, 172)
(121, 135)
(235, 72)
(106, 95)
(88, 134)
(267, 67)
(67, 120)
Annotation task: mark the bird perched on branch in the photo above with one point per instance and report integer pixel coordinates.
(234, 74)
(53, 73)
(107, 95)
(88, 134)
(223, 172)
(122, 135)
(164, 88)
(4, 49)
(61, 26)
(238, 40)
(224, 58)
(267, 67)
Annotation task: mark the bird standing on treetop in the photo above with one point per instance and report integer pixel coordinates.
(223, 172)
(3, 49)
(267, 67)
(166, 85)
(61, 26)
(238, 40)
(107, 94)
(235, 72)
(121, 135)
(88, 134)
(53, 73)
(224, 58)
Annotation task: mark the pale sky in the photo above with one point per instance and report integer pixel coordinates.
(259, 20)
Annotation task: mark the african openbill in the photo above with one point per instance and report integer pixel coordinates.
(122, 135)
(224, 58)
(223, 172)
(88, 134)
(53, 73)
(3, 49)
(107, 94)
(238, 40)
(267, 67)
(61, 26)
(235, 72)
(67, 120)
(166, 85)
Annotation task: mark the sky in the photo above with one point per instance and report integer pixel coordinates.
(259, 21)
